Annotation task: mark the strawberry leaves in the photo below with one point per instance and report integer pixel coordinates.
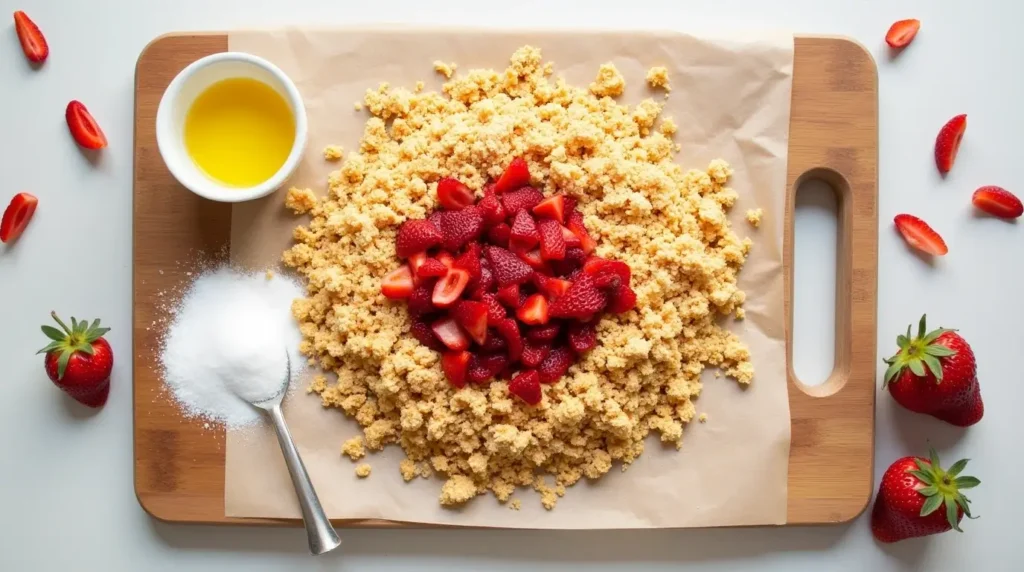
(918, 353)
(78, 338)
(942, 488)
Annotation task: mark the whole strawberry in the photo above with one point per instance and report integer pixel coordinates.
(918, 498)
(79, 360)
(935, 373)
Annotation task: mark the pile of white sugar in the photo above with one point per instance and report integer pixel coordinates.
(229, 338)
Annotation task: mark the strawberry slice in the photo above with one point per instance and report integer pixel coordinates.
(398, 283)
(581, 301)
(509, 295)
(997, 201)
(516, 175)
(544, 333)
(500, 235)
(455, 364)
(555, 364)
(521, 199)
(509, 329)
(524, 234)
(448, 289)
(582, 337)
(534, 353)
(32, 41)
(552, 245)
(552, 208)
(472, 316)
(450, 334)
(526, 386)
(575, 224)
(534, 310)
(416, 236)
(84, 129)
(947, 143)
(17, 215)
(430, 268)
(453, 195)
(919, 235)
(902, 32)
(507, 267)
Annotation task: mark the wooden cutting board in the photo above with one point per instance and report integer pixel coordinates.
(179, 466)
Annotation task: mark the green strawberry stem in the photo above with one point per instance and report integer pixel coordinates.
(943, 487)
(78, 338)
(918, 353)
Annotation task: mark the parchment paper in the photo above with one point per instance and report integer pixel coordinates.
(731, 99)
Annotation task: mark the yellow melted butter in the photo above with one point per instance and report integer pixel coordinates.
(239, 131)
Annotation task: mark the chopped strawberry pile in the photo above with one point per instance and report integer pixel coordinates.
(505, 286)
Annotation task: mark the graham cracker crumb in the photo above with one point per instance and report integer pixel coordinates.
(516, 504)
(269, 275)
(333, 152)
(419, 86)
(703, 418)
(457, 490)
(754, 217)
(668, 127)
(444, 69)
(609, 82)
(740, 313)
(658, 77)
(353, 448)
(363, 470)
(358, 106)
(300, 201)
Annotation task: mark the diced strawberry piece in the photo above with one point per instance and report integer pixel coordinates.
(523, 199)
(415, 261)
(524, 232)
(489, 190)
(902, 32)
(534, 353)
(492, 211)
(516, 175)
(582, 300)
(419, 302)
(623, 300)
(430, 268)
(582, 337)
(422, 331)
(555, 364)
(495, 311)
(17, 216)
(574, 258)
(494, 342)
(509, 295)
(533, 258)
(446, 258)
(575, 224)
(470, 261)
(487, 280)
(556, 287)
(544, 333)
(526, 386)
(570, 206)
(947, 143)
(508, 268)
(472, 316)
(416, 236)
(552, 245)
(998, 202)
(500, 235)
(570, 238)
(450, 334)
(552, 208)
(455, 366)
(448, 289)
(458, 227)
(484, 367)
(398, 283)
(509, 329)
(596, 266)
(534, 310)
(453, 195)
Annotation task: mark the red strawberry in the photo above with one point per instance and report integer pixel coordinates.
(453, 195)
(622, 300)
(32, 41)
(555, 364)
(522, 199)
(430, 268)
(516, 175)
(446, 258)
(935, 373)
(552, 245)
(415, 236)
(917, 497)
(524, 233)
(997, 201)
(574, 259)
(422, 331)
(472, 316)
(582, 337)
(902, 32)
(534, 310)
(575, 224)
(492, 211)
(508, 268)
(484, 367)
(415, 261)
(544, 333)
(948, 142)
(571, 240)
(509, 329)
(552, 208)
(494, 342)
(450, 334)
(419, 302)
(79, 360)
(489, 190)
(581, 301)
(455, 365)
(534, 353)
(526, 386)
(470, 261)
(553, 287)
(458, 227)
(84, 129)
(595, 266)
(607, 282)
(495, 311)
(919, 235)
(500, 235)
(17, 215)
(486, 283)
(398, 283)
(532, 257)
(448, 289)
(509, 295)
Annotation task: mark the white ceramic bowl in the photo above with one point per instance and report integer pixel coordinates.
(182, 92)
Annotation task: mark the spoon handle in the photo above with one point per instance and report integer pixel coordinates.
(322, 537)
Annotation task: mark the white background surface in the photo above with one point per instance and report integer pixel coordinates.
(66, 497)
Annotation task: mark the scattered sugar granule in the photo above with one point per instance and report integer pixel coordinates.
(353, 448)
(703, 418)
(658, 77)
(754, 217)
(333, 152)
(609, 82)
(363, 470)
(300, 201)
(740, 313)
(444, 69)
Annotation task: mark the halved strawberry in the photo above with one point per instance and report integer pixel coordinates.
(450, 334)
(919, 235)
(472, 316)
(398, 283)
(492, 211)
(17, 215)
(416, 236)
(521, 199)
(544, 333)
(509, 329)
(33, 43)
(582, 337)
(997, 201)
(430, 268)
(509, 295)
(552, 208)
(500, 234)
(84, 128)
(902, 32)
(555, 364)
(524, 234)
(516, 175)
(534, 310)
(534, 353)
(454, 364)
(575, 224)
(526, 386)
(507, 267)
(453, 195)
(596, 266)
(450, 287)
(552, 245)
(947, 143)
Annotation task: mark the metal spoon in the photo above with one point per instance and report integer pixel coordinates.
(322, 537)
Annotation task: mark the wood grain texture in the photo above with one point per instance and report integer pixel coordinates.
(179, 464)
